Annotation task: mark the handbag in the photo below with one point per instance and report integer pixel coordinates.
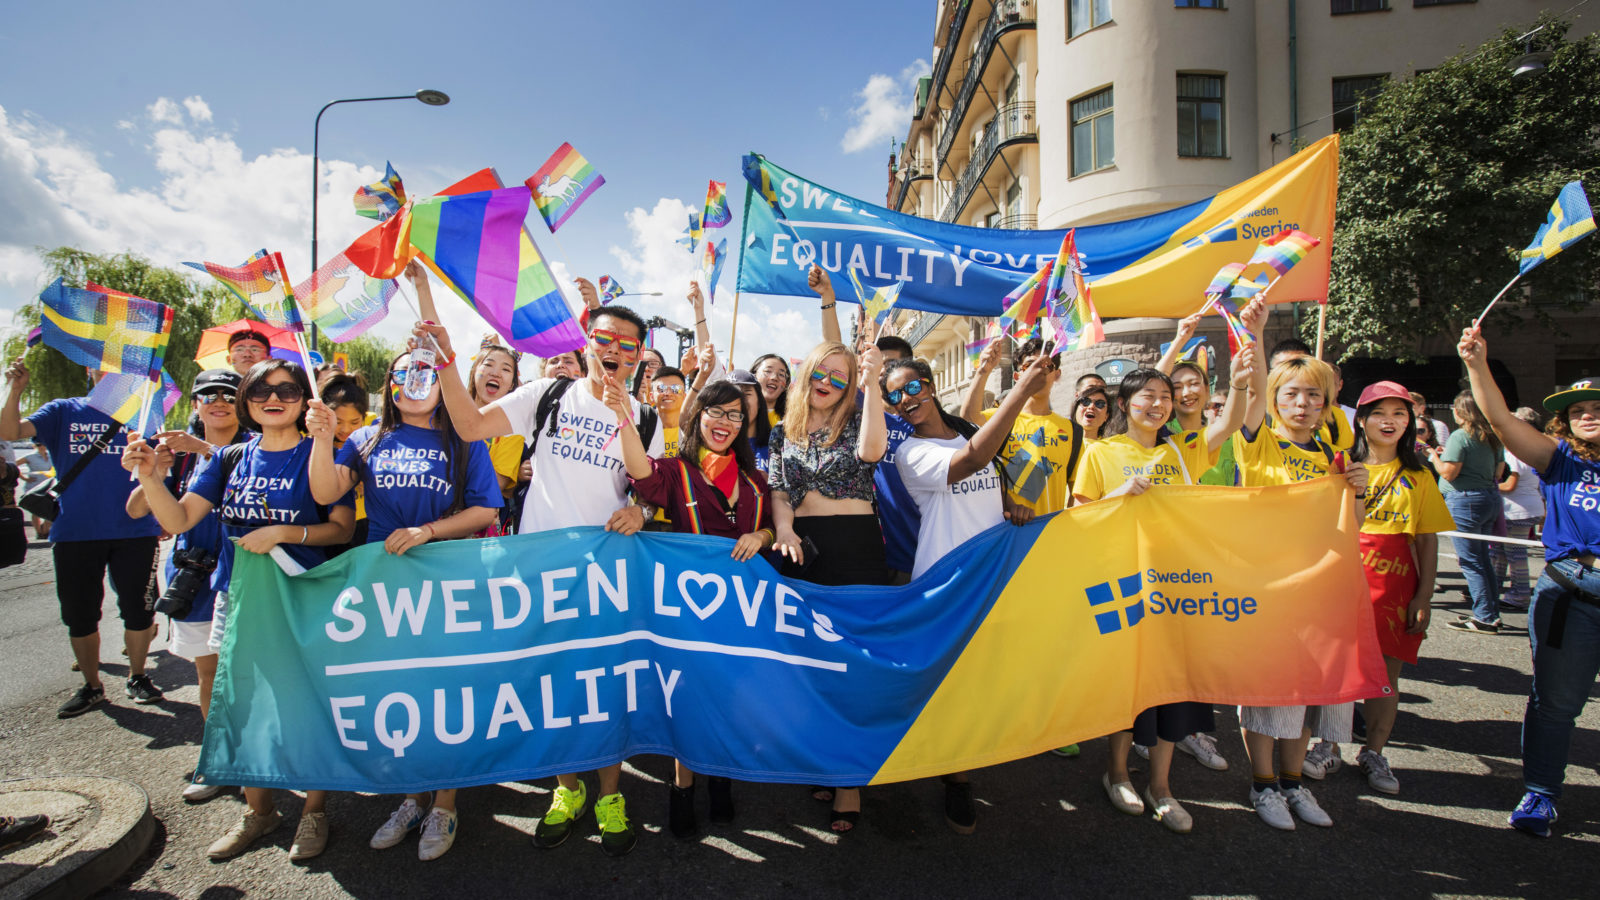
(13, 540)
(44, 499)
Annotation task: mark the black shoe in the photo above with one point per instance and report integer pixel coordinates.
(721, 790)
(959, 810)
(20, 830)
(1473, 625)
(85, 699)
(143, 691)
(680, 811)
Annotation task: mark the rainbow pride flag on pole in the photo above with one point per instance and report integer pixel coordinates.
(121, 396)
(716, 213)
(104, 329)
(344, 301)
(381, 199)
(263, 286)
(1281, 251)
(711, 266)
(1072, 322)
(1025, 304)
(477, 245)
(610, 289)
(562, 184)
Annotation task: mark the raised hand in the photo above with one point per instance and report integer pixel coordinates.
(425, 330)
(320, 421)
(817, 279)
(1033, 377)
(1472, 349)
(1186, 329)
(139, 457)
(591, 297)
(1254, 315)
(17, 374)
(696, 299)
(871, 365)
(990, 356)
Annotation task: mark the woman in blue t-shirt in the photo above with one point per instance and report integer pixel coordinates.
(422, 483)
(264, 495)
(1564, 619)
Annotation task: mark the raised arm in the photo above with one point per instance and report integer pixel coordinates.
(471, 423)
(972, 407)
(1254, 318)
(1523, 440)
(874, 440)
(175, 516)
(819, 281)
(1241, 380)
(1186, 329)
(979, 451)
(702, 330)
(329, 480)
(634, 455)
(12, 426)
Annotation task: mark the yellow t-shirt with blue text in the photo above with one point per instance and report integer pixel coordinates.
(1109, 463)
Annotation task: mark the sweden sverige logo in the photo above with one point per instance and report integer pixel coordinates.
(1129, 589)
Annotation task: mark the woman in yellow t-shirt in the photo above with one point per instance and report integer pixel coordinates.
(1404, 510)
(494, 375)
(1131, 463)
(1285, 449)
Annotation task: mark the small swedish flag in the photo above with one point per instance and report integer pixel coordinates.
(1570, 219)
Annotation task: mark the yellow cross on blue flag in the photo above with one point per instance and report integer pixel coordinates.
(877, 302)
(1570, 219)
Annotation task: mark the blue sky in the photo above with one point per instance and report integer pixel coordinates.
(184, 129)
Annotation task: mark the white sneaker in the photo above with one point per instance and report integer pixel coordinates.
(1142, 750)
(1379, 776)
(392, 832)
(1305, 807)
(194, 792)
(1272, 809)
(1123, 796)
(438, 833)
(1203, 747)
(1322, 761)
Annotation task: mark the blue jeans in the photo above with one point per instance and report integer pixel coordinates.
(1562, 677)
(1475, 512)
(1511, 560)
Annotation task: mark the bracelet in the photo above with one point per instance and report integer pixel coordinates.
(305, 534)
(700, 322)
(432, 535)
(447, 363)
(772, 537)
(829, 304)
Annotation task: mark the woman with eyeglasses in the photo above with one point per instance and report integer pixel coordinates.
(711, 486)
(215, 394)
(823, 455)
(422, 483)
(1092, 412)
(262, 491)
(950, 470)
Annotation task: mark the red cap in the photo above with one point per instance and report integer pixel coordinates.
(1383, 390)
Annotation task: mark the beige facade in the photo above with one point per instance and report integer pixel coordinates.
(1011, 128)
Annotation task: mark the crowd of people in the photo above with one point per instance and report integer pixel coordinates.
(849, 470)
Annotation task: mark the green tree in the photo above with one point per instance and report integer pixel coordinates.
(369, 356)
(1444, 180)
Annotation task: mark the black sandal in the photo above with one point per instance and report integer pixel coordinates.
(839, 817)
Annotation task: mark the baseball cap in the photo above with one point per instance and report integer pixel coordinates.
(216, 379)
(248, 335)
(743, 376)
(1584, 389)
(1384, 390)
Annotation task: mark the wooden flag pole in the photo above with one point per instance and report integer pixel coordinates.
(1322, 325)
(733, 333)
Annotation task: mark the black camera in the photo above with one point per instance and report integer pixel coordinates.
(193, 576)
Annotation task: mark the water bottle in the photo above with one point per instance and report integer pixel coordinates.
(420, 375)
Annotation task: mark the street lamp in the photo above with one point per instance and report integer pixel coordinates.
(427, 96)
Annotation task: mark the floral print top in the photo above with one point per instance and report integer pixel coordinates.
(832, 470)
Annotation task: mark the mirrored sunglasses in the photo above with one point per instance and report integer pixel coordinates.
(912, 388)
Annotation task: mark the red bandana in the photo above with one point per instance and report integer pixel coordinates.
(720, 469)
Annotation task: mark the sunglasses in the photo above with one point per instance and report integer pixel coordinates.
(912, 388)
(287, 391)
(834, 378)
(212, 397)
(602, 338)
(732, 415)
(1097, 404)
(669, 388)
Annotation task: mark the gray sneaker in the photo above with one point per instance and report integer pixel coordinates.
(1305, 807)
(1379, 776)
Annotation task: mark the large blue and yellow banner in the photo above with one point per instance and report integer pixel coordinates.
(1156, 265)
(477, 662)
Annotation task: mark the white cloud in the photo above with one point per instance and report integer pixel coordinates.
(198, 109)
(165, 111)
(885, 108)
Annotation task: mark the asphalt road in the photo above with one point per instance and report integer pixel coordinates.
(1045, 825)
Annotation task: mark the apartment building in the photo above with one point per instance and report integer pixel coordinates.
(1057, 113)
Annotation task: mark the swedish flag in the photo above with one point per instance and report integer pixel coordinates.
(1570, 219)
(106, 330)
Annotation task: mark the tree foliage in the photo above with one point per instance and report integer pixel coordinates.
(197, 303)
(1446, 177)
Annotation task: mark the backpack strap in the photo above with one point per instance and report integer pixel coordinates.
(648, 420)
(544, 413)
(1077, 451)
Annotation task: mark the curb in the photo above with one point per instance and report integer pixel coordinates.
(108, 825)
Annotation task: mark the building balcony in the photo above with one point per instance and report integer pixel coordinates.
(1013, 123)
(914, 168)
(1007, 15)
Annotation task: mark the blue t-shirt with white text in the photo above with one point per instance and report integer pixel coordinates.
(92, 508)
(896, 510)
(408, 478)
(1571, 489)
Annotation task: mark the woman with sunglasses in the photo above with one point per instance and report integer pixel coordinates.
(215, 394)
(422, 483)
(950, 470)
(1092, 412)
(262, 491)
(494, 375)
(823, 455)
(711, 486)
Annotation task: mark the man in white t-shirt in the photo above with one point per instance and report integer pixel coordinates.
(578, 479)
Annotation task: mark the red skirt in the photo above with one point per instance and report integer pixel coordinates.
(1392, 577)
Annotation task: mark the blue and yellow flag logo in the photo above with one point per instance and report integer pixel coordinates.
(1570, 220)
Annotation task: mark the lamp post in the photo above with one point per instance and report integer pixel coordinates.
(428, 96)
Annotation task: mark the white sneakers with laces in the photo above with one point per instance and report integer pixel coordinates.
(438, 833)
(400, 823)
(1323, 760)
(1379, 776)
(1203, 747)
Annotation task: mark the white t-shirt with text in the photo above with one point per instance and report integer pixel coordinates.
(951, 513)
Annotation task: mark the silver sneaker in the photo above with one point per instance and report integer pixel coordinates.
(438, 833)
(1203, 747)
(1305, 807)
(1272, 809)
(1379, 776)
(401, 821)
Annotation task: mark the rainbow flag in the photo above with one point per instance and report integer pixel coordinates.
(104, 329)
(976, 348)
(711, 266)
(262, 285)
(121, 396)
(1222, 283)
(477, 245)
(610, 289)
(1238, 335)
(344, 301)
(717, 213)
(877, 303)
(1061, 290)
(1025, 303)
(562, 184)
(36, 336)
(381, 199)
(1245, 289)
(1282, 250)
(1073, 322)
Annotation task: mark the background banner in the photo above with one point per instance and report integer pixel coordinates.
(477, 662)
(1157, 265)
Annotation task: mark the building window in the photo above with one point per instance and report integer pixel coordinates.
(1348, 95)
(1201, 129)
(1340, 7)
(1439, 2)
(1199, 4)
(1093, 142)
(1083, 15)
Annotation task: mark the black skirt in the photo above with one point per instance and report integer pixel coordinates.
(848, 550)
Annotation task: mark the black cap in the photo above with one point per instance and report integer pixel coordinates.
(743, 376)
(216, 379)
